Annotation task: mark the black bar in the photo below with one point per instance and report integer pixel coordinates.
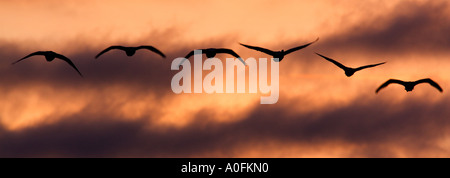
(229, 167)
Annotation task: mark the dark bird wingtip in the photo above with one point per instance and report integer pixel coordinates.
(377, 91)
(15, 62)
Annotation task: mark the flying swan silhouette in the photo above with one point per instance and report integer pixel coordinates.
(348, 70)
(278, 55)
(130, 51)
(50, 56)
(409, 86)
(211, 52)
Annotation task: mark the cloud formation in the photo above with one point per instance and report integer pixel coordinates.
(415, 126)
(408, 27)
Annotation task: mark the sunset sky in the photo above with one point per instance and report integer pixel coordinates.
(125, 107)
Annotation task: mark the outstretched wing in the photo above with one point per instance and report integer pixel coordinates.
(229, 51)
(431, 82)
(187, 57)
(190, 54)
(109, 48)
(369, 66)
(32, 54)
(64, 58)
(385, 84)
(299, 47)
(151, 48)
(269, 52)
(333, 61)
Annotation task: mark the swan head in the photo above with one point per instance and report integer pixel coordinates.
(349, 73)
(409, 88)
(130, 52)
(210, 54)
(278, 55)
(49, 58)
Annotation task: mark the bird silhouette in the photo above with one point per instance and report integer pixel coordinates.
(211, 52)
(130, 51)
(50, 56)
(278, 55)
(409, 86)
(348, 70)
